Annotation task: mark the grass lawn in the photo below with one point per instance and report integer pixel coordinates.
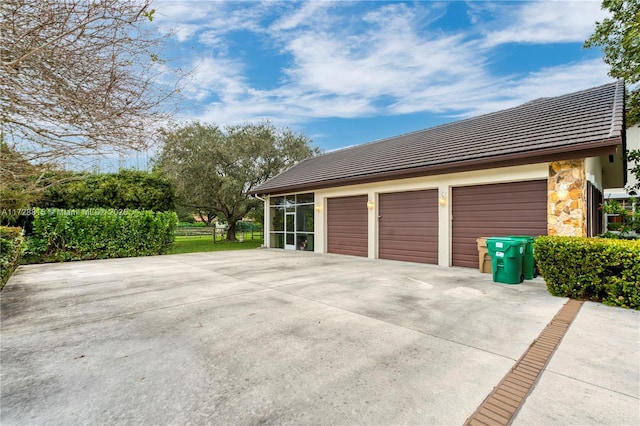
(202, 243)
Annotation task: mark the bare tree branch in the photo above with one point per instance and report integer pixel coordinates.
(80, 77)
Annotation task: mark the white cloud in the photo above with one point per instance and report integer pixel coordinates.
(208, 19)
(301, 16)
(182, 18)
(227, 21)
(548, 82)
(387, 61)
(184, 32)
(562, 79)
(183, 11)
(546, 22)
(214, 77)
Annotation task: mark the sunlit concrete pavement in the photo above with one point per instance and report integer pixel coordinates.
(268, 336)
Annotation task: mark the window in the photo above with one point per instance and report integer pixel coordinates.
(277, 219)
(292, 218)
(304, 218)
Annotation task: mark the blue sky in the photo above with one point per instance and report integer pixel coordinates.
(349, 72)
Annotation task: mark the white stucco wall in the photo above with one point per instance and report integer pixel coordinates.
(633, 143)
(593, 170)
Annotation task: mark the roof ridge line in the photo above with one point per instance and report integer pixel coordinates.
(618, 107)
(586, 120)
(536, 101)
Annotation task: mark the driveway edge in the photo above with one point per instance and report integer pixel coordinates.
(506, 399)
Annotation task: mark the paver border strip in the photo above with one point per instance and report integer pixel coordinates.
(506, 399)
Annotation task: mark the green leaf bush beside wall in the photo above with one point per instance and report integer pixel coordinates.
(594, 269)
(11, 249)
(63, 235)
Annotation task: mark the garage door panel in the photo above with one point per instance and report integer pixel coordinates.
(518, 208)
(464, 260)
(507, 225)
(349, 249)
(406, 256)
(524, 209)
(410, 237)
(348, 240)
(349, 228)
(500, 196)
(420, 230)
(408, 226)
(417, 229)
(411, 246)
(347, 220)
(347, 225)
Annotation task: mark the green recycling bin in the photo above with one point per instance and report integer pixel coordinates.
(528, 263)
(506, 259)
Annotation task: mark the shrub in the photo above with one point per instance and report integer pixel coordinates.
(595, 269)
(244, 226)
(127, 189)
(62, 235)
(193, 224)
(629, 225)
(11, 250)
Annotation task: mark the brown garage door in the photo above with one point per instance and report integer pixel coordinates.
(518, 208)
(408, 226)
(347, 225)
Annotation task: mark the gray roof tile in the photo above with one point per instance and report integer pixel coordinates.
(588, 118)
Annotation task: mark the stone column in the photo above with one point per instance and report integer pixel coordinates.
(567, 195)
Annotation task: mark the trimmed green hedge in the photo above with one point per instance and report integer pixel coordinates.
(595, 269)
(63, 235)
(11, 249)
(248, 226)
(193, 224)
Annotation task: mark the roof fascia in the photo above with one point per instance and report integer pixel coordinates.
(583, 150)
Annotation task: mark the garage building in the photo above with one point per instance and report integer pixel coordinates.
(426, 196)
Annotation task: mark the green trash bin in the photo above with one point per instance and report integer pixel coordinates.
(528, 263)
(506, 259)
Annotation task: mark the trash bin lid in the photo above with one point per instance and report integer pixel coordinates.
(510, 246)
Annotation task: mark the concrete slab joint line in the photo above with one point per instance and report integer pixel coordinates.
(506, 399)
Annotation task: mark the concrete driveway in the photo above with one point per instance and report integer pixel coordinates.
(268, 336)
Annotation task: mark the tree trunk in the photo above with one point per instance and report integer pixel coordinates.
(231, 231)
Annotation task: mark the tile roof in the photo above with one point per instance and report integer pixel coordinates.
(583, 120)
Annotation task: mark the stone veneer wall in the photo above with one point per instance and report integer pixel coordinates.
(567, 189)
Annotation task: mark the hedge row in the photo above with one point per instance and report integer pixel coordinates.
(595, 269)
(62, 235)
(11, 249)
(193, 224)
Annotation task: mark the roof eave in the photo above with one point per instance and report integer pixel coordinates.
(582, 150)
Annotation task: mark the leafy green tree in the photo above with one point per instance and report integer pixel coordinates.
(22, 183)
(629, 219)
(213, 170)
(619, 37)
(257, 215)
(16, 182)
(127, 189)
(77, 78)
(633, 157)
(185, 215)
